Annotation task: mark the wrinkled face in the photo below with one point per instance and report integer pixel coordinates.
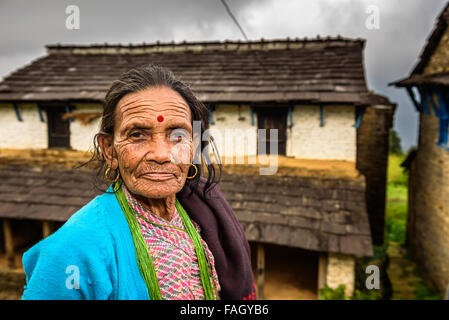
(152, 143)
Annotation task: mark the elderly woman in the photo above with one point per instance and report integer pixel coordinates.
(161, 230)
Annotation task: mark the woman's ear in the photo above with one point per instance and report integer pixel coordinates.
(106, 144)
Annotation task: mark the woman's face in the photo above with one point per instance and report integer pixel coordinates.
(152, 144)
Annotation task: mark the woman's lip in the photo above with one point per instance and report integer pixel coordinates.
(158, 175)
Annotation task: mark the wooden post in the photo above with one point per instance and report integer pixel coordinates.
(47, 228)
(260, 270)
(322, 270)
(9, 242)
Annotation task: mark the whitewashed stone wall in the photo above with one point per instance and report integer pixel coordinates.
(336, 140)
(30, 133)
(243, 138)
(341, 270)
(82, 135)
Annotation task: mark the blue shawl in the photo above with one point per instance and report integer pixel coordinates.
(92, 255)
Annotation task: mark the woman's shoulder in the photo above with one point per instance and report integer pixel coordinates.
(83, 243)
(83, 230)
(92, 216)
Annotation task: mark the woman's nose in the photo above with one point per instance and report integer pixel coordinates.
(159, 149)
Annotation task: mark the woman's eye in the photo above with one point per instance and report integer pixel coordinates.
(178, 135)
(136, 134)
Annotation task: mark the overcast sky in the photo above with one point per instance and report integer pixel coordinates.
(391, 50)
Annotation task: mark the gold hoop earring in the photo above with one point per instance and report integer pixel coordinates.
(196, 172)
(107, 177)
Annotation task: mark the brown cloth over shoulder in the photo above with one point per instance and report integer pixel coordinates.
(225, 238)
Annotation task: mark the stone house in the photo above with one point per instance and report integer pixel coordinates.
(428, 165)
(322, 208)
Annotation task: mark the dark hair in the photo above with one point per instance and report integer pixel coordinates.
(144, 77)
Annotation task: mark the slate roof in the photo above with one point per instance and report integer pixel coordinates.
(43, 193)
(322, 70)
(322, 214)
(436, 79)
(314, 213)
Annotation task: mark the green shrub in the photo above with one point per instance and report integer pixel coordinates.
(423, 292)
(328, 293)
(367, 295)
(338, 293)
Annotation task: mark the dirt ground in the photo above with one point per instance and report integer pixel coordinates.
(232, 165)
(291, 273)
(12, 280)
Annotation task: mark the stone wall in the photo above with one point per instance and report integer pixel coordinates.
(30, 133)
(372, 162)
(341, 270)
(82, 135)
(229, 119)
(428, 221)
(428, 229)
(439, 61)
(335, 140)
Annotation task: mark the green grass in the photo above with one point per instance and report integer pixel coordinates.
(396, 206)
(396, 213)
(410, 277)
(396, 174)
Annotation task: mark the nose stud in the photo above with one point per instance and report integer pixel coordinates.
(160, 118)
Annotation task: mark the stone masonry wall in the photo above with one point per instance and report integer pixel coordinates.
(429, 229)
(372, 162)
(439, 62)
(341, 270)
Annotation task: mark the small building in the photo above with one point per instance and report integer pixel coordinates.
(323, 207)
(428, 165)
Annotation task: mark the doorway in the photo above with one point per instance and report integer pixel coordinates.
(273, 118)
(58, 128)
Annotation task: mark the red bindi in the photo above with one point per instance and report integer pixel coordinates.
(160, 118)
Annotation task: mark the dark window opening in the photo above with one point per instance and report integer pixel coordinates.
(273, 118)
(58, 129)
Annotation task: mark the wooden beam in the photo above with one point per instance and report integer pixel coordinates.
(359, 119)
(290, 116)
(9, 242)
(321, 116)
(260, 270)
(423, 100)
(322, 268)
(40, 113)
(17, 111)
(211, 114)
(251, 109)
(47, 228)
(411, 94)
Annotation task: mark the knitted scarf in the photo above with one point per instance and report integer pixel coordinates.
(225, 238)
